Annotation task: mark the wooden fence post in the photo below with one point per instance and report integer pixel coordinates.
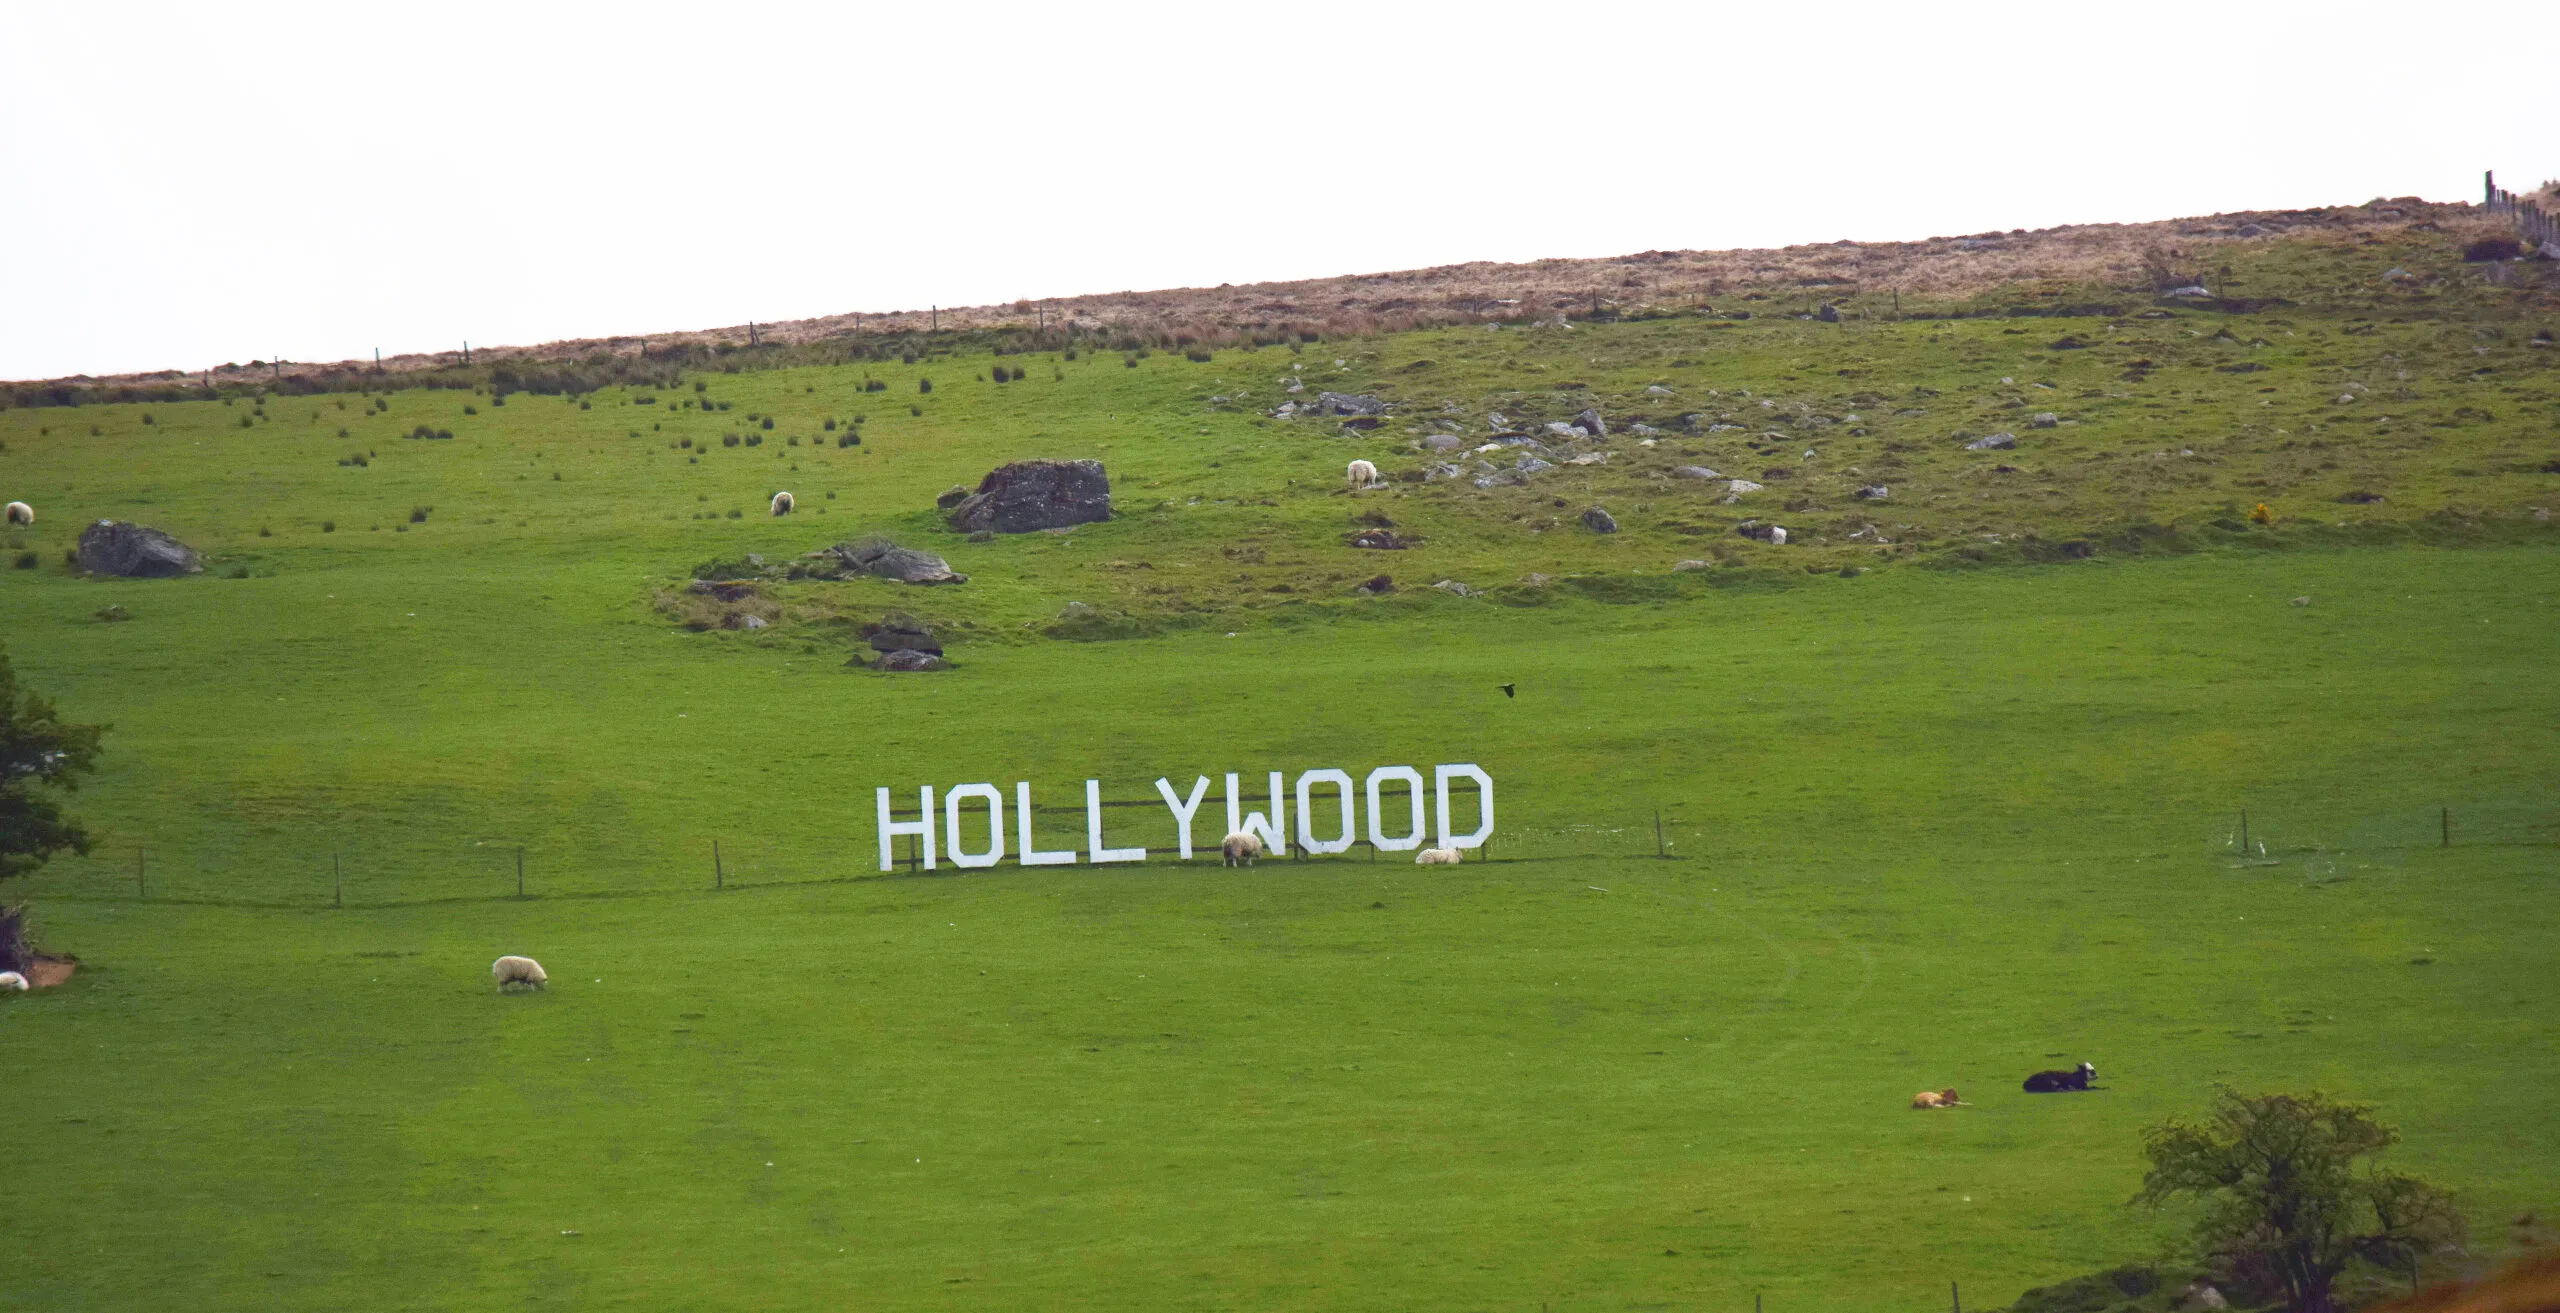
(719, 877)
(1659, 850)
(2244, 834)
(519, 870)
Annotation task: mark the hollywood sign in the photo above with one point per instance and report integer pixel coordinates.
(964, 805)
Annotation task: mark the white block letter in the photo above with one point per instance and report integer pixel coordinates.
(1183, 811)
(889, 830)
(1440, 776)
(995, 825)
(1413, 785)
(1022, 829)
(1272, 832)
(1093, 830)
(1306, 811)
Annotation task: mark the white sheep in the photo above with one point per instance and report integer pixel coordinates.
(1436, 857)
(21, 513)
(782, 503)
(1242, 848)
(512, 970)
(1362, 474)
(1777, 536)
(12, 980)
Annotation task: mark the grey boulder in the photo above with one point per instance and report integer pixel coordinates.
(1036, 494)
(1599, 521)
(134, 551)
(1694, 472)
(1345, 403)
(1995, 442)
(905, 659)
(887, 560)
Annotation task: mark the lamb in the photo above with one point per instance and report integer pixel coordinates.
(1935, 1099)
(782, 503)
(1436, 857)
(2061, 1082)
(512, 970)
(21, 513)
(1362, 474)
(1243, 848)
(12, 980)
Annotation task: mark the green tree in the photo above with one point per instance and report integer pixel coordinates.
(2287, 1202)
(37, 748)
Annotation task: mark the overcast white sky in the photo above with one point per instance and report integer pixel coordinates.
(182, 185)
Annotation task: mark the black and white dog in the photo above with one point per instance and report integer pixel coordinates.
(2060, 1082)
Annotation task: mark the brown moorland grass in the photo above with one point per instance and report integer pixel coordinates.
(2051, 262)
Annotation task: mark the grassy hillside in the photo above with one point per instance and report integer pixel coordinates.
(1931, 824)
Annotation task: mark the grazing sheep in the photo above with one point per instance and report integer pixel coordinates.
(1362, 474)
(1436, 857)
(12, 980)
(2061, 1082)
(513, 970)
(1777, 536)
(1243, 848)
(1935, 1099)
(782, 503)
(21, 513)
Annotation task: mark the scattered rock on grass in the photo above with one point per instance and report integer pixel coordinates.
(884, 559)
(906, 659)
(1036, 494)
(1694, 472)
(134, 551)
(1378, 540)
(1994, 442)
(1599, 521)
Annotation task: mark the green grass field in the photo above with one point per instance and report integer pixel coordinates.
(1932, 824)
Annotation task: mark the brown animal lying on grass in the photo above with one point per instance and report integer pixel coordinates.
(1935, 1099)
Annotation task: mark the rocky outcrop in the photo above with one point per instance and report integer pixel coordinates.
(1036, 494)
(134, 551)
(884, 559)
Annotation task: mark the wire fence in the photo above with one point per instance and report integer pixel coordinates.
(2536, 225)
(374, 871)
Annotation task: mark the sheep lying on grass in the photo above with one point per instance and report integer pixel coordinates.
(1436, 857)
(782, 503)
(1243, 848)
(21, 513)
(512, 970)
(1362, 474)
(1935, 1099)
(12, 980)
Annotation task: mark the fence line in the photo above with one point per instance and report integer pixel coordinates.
(379, 869)
(2537, 227)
